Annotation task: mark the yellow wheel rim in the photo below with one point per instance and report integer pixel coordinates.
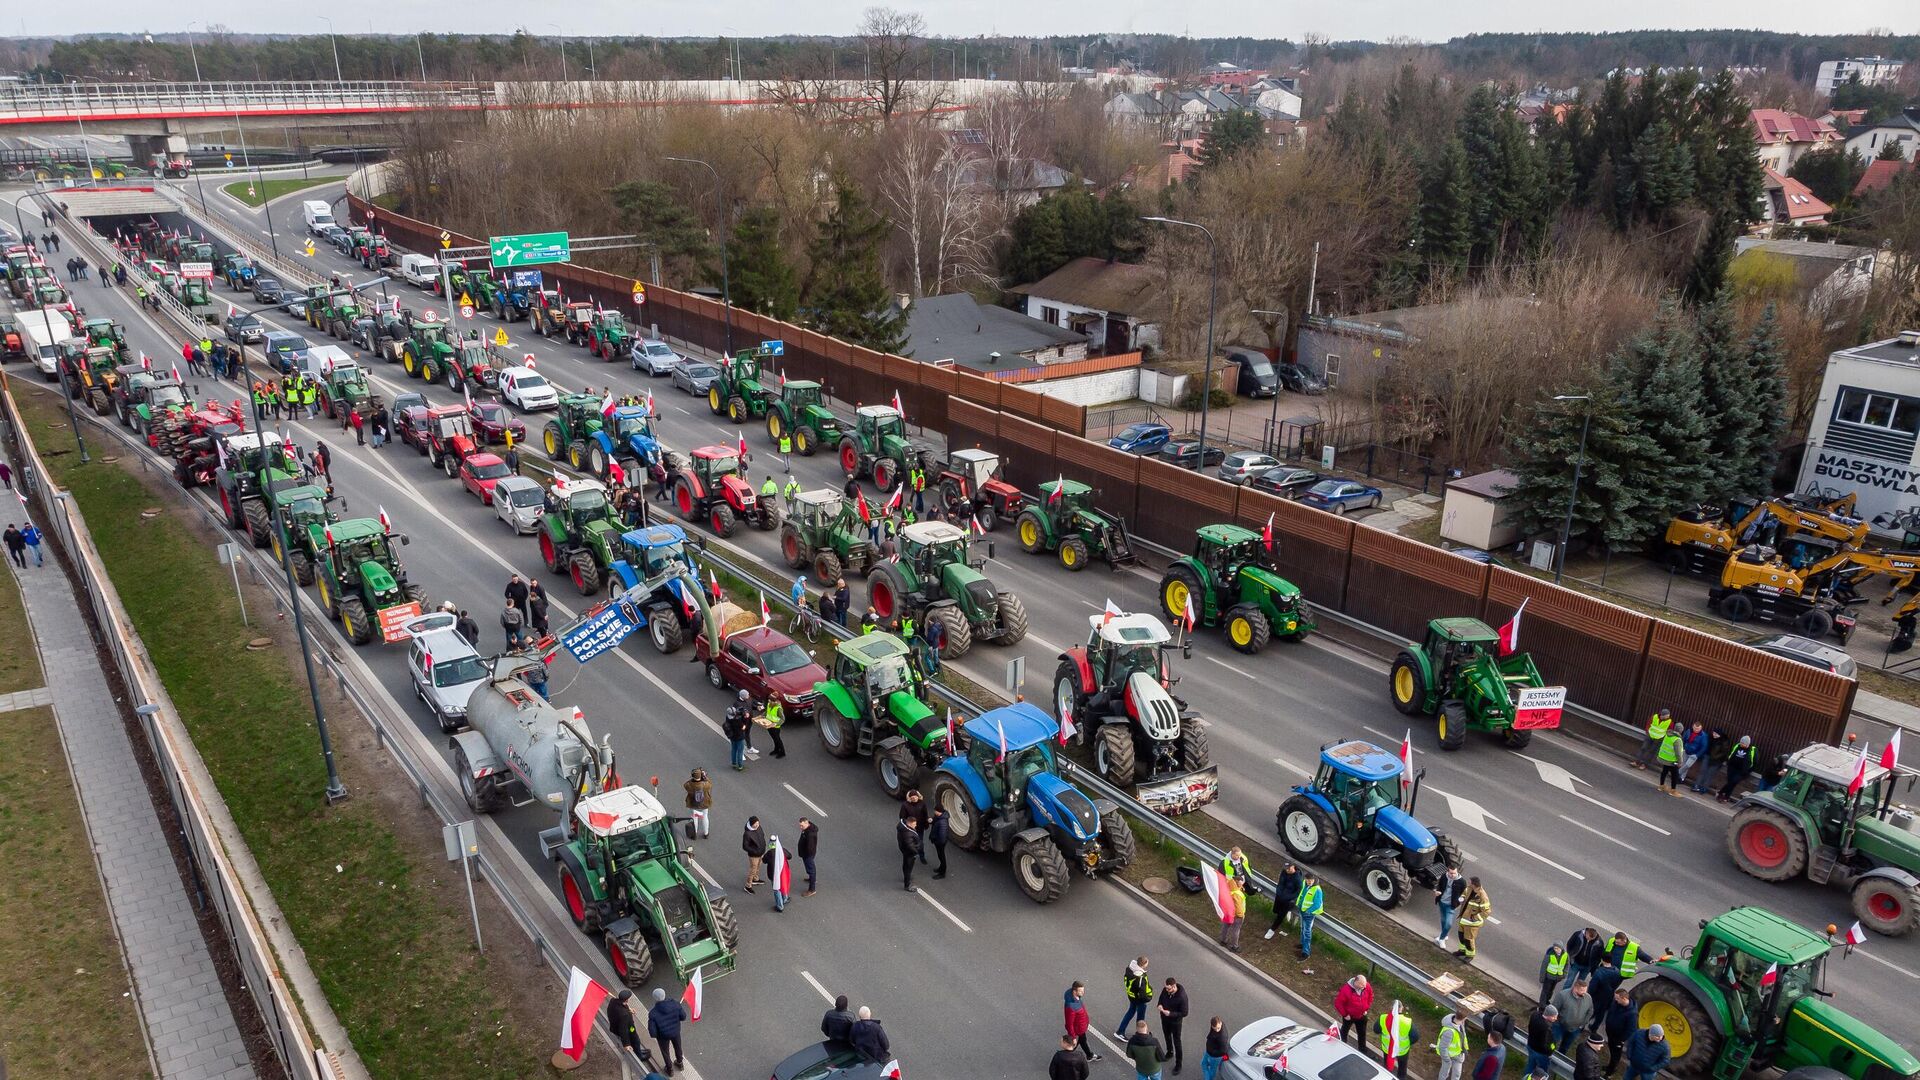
(407, 362)
(713, 398)
(1403, 685)
(325, 593)
(1068, 556)
(553, 444)
(1176, 597)
(346, 621)
(773, 424)
(800, 442)
(1673, 1022)
(1241, 631)
(1029, 533)
(277, 553)
(1443, 726)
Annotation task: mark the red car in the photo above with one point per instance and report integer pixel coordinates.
(410, 426)
(764, 662)
(479, 472)
(492, 421)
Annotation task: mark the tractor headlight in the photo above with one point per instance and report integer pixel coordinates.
(554, 797)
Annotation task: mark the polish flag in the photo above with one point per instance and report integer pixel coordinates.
(649, 402)
(766, 617)
(1890, 753)
(1219, 894)
(385, 525)
(782, 873)
(893, 502)
(1111, 611)
(742, 448)
(617, 474)
(891, 1071)
(1510, 631)
(1859, 780)
(1266, 534)
(950, 743)
(691, 996)
(146, 362)
(1003, 742)
(1770, 976)
(466, 395)
(396, 305)
(328, 533)
(1855, 935)
(231, 310)
(583, 1004)
(175, 368)
(714, 584)
(600, 819)
(977, 530)
(897, 407)
(1333, 1031)
(1067, 726)
(1059, 488)
(1406, 760)
(1393, 1026)
(686, 597)
(1191, 620)
(606, 403)
(426, 663)
(866, 515)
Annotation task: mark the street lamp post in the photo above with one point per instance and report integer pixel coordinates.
(335, 789)
(1213, 291)
(192, 51)
(331, 40)
(726, 288)
(1579, 461)
(562, 35)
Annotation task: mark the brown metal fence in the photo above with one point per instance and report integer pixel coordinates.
(1591, 647)
(1783, 705)
(1398, 584)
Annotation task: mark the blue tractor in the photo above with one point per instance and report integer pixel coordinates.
(513, 294)
(1002, 791)
(655, 574)
(626, 436)
(1359, 807)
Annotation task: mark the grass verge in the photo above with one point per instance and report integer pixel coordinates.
(257, 193)
(20, 665)
(390, 945)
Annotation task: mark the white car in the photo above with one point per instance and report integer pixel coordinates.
(527, 390)
(654, 357)
(444, 668)
(1310, 1054)
(519, 501)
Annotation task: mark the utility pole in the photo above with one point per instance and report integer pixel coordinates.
(335, 789)
(1313, 277)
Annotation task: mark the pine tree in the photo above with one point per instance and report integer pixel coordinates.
(1663, 170)
(1038, 243)
(1767, 402)
(1660, 368)
(762, 279)
(1893, 151)
(1542, 452)
(1708, 274)
(1445, 233)
(845, 289)
(1726, 401)
(1232, 133)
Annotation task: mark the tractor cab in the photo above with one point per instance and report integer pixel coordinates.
(872, 668)
(743, 366)
(583, 502)
(1118, 646)
(801, 393)
(450, 422)
(711, 464)
(878, 422)
(656, 550)
(627, 825)
(1063, 497)
(928, 546)
(579, 313)
(1227, 549)
(428, 332)
(820, 509)
(630, 421)
(610, 323)
(1456, 641)
(348, 379)
(49, 294)
(1007, 780)
(975, 469)
(1362, 781)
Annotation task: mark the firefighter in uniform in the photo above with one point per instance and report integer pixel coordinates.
(1473, 916)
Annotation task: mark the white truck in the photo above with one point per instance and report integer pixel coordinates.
(319, 215)
(45, 330)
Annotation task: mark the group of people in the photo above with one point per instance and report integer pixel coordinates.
(1706, 755)
(286, 398)
(1149, 1054)
(21, 540)
(215, 359)
(524, 619)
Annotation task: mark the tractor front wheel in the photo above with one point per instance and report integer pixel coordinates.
(1310, 833)
(989, 520)
(353, 617)
(1040, 870)
(1408, 684)
(1073, 553)
(963, 818)
(1031, 531)
(1386, 882)
(585, 572)
(726, 926)
(1692, 1036)
(663, 627)
(577, 457)
(1113, 754)
(1013, 620)
(1193, 749)
(1117, 836)
(585, 917)
(1517, 738)
(737, 410)
(805, 442)
(1766, 844)
(836, 733)
(1450, 852)
(1885, 906)
(899, 773)
(1453, 725)
(631, 958)
(886, 474)
(1178, 591)
(1247, 628)
(722, 520)
(259, 525)
(450, 465)
(827, 568)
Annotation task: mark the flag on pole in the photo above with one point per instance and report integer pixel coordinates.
(1855, 935)
(766, 617)
(231, 310)
(977, 530)
(1059, 488)
(1112, 610)
(897, 407)
(175, 368)
(893, 501)
(1406, 760)
(583, 1004)
(146, 362)
(1219, 893)
(714, 584)
(1770, 976)
(691, 996)
(466, 394)
(385, 525)
(607, 403)
(649, 402)
(950, 742)
(891, 1071)
(782, 874)
(1067, 726)
(866, 515)
(1510, 631)
(1859, 780)
(1191, 621)
(1890, 753)
(1003, 741)
(742, 448)
(686, 598)
(327, 531)
(616, 474)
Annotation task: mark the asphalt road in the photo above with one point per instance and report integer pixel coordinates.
(1564, 835)
(966, 971)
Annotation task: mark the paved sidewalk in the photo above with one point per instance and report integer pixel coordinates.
(189, 1025)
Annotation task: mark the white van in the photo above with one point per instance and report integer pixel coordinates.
(421, 270)
(45, 330)
(319, 215)
(320, 359)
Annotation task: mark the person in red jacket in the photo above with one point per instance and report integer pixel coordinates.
(1353, 1002)
(1077, 1020)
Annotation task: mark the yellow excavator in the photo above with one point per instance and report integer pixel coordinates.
(1801, 529)
(1757, 584)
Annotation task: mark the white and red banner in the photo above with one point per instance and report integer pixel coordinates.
(693, 995)
(1538, 707)
(583, 1004)
(1510, 631)
(1219, 893)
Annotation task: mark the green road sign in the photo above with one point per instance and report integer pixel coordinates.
(529, 249)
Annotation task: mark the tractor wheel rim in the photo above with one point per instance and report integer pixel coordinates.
(1029, 533)
(1176, 596)
(882, 597)
(683, 496)
(1443, 726)
(1673, 1022)
(1063, 696)
(1403, 685)
(1764, 844)
(1379, 885)
(1885, 906)
(576, 905)
(830, 733)
(1029, 870)
(1068, 555)
(1302, 832)
(617, 957)
(889, 776)
(1241, 630)
(958, 812)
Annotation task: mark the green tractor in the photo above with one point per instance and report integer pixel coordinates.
(824, 532)
(360, 576)
(935, 580)
(249, 464)
(109, 334)
(1459, 674)
(622, 875)
(1065, 521)
(1751, 994)
(799, 411)
(343, 388)
(569, 435)
(877, 447)
(608, 335)
(191, 291)
(876, 706)
(305, 513)
(737, 392)
(148, 400)
(578, 537)
(333, 311)
(1232, 580)
(428, 350)
(1809, 825)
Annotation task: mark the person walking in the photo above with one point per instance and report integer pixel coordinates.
(909, 843)
(1138, 990)
(808, 849)
(1575, 1007)
(1656, 733)
(1493, 1059)
(1647, 1053)
(1396, 1038)
(1540, 1024)
(1585, 947)
(1740, 761)
(1671, 750)
(870, 1039)
(537, 608)
(663, 1023)
(837, 1024)
(734, 725)
(1473, 915)
(1173, 1014)
(1553, 968)
(1586, 1060)
(1068, 1062)
(621, 1023)
(753, 841)
(775, 862)
(16, 546)
(699, 789)
(1617, 1026)
(1074, 1005)
(1311, 903)
(510, 622)
(465, 625)
(1447, 898)
(1451, 1048)
(6, 475)
(30, 535)
(1286, 898)
(939, 831)
(1353, 1004)
(1217, 1050)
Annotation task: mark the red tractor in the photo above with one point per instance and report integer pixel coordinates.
(449, 437)
(713, 486)
(972, 486)
(188, 440)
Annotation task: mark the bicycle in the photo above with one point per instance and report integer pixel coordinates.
(806, 622)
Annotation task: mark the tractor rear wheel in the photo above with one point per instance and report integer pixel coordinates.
(632, 959)
(1885, 906)
(1113, 753)
(1453, 725)
(736, 410)
(835, 731)
(1013, 620)
(1767, 844)
(1117, 835)
(887, 591)
(1040, 870)
(886, 474)
(259, 525)
(1073, 553)
(1310, 833)
(585, 572)
(1386, 882)
(1247, 628)
(1192, 747)
(959, 636)
(715, 403)
(550, 439)
(1031, 531)
(353, 616)
(1517, 738)
(899, 773)
(663, 627)
(827, 568)
(1178, 591)
(849, 457)
(482, 796)
(963, 818)
(1408, 685)
(726, 925)
(805, 442)
(722, 520)
(549, 554)
(683, 497)
(328, 601)
(792, 550)
(1692, 1035)
(585, 917)
(302, 567)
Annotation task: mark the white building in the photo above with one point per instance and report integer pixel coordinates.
(1865, 436)
(1870, 70)
(1903, 130)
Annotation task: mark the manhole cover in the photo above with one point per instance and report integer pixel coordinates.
(1158, 886)
(152, 512)
(109, 459)
(259, 643)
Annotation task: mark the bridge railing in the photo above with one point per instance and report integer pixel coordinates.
(32, 101)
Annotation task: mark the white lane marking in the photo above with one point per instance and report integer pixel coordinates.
(1390, 738)
(1587, 917)
(1093, 605)
(1237, 671)
(1888, 963)
(702, 871)
(1291, 765)
(1118, 1050)
(1555, 776)
(942, 909)
(681, 411)
(1474, 816)
(811, 805)
(1588, 828)
(815, 983)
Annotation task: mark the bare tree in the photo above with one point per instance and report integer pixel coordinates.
(892, 43)
(938, 208)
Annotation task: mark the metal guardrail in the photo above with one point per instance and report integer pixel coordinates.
(28, 102)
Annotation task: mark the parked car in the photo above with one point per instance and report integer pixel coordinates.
(654, 357)
(528, 390)
(1186, 454)
(338, 237)
(695, 376)
(291, 301)
(1142, 438)
(1255, 378)
(1341, 496)
(444, 668)
(518, 501)
(1299, 380)
(410, 425)
(1812, 653)
(827, 1061)
(1285, 481)
(403, 402)
(266, 289)
(245, 328)
(1259, 1047)
(479, 472)
(1243, 465)
(492, 422)
(764, 662)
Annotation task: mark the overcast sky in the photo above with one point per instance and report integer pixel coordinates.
(1431, 20)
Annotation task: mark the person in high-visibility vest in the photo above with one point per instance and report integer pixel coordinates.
(1624, 954)
(791, 493)
(1395, 1037)
(1451, 1046)
(775, 717)
(918, 478)
(1553, 968)
(261, 401)
(1656, 733)
(1670, 754)
(769, 489)
(1311, 903)
(1473, 915)
(290, 395)
(786, 447)
(1233, 865)
(309, 395)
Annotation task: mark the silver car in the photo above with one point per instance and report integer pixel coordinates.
(654, 357)
(444, 668)
(1242, 465)
(518, 501)
(695, 376)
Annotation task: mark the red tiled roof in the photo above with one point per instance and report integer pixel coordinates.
(1801, 203)
(1775, 125)
(1879, 175)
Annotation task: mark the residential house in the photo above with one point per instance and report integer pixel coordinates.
(1871, 139)
(1019, 183)
(1867, 70)
(1177, 161)
(1118, 306)
(955, 328)
(1192, 112)
(1788, 202)
(1782, 137)
(1865, 435)
(1827, 272)
(1844, 119)
(1880, 175)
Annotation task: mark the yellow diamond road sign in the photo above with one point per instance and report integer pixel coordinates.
(446, 239)
(500, 338)
(465, 300)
